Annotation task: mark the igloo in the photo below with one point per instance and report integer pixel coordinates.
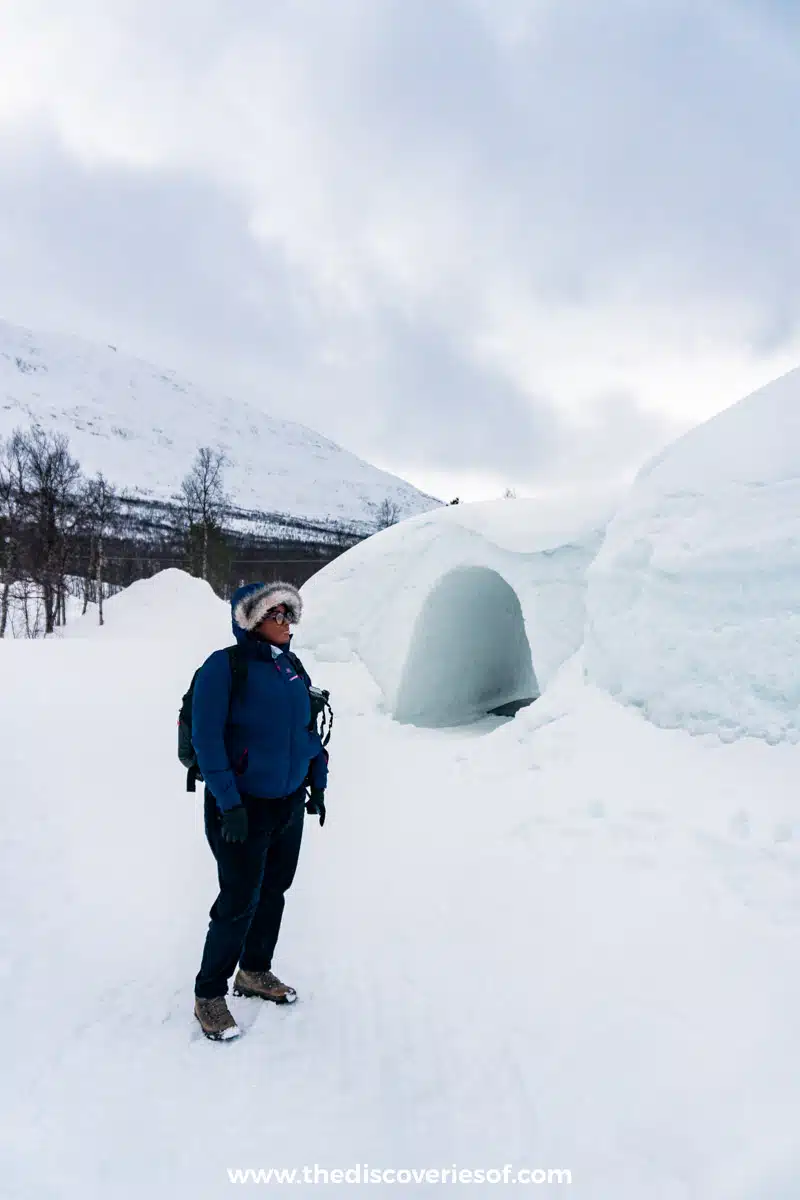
(694, 599)
(462, 611)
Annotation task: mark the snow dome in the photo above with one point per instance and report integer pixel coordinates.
(694, 600)
(458, 612)
(167, 605)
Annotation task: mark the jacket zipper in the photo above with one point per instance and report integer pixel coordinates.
(291, 736)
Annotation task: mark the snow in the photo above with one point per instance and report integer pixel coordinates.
(157, 608)
(566, 941)
(461, 610)
(228, 1035)
(693, 611)
(143, 425)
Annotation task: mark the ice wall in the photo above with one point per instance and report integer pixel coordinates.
(694, 600)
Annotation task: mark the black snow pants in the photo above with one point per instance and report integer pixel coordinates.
(253, 878)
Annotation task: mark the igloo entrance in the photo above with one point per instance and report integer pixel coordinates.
(468, 653)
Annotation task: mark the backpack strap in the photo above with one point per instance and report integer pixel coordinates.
(238, 665)
(298, 666)
(327, 717)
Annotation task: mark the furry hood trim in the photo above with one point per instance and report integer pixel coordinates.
(250, 604)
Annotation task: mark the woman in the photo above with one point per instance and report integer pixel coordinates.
(257, 752)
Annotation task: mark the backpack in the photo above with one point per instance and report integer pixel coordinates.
(321, 711)
(186, 751)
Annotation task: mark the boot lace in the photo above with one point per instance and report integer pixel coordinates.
(263, 977)
(217, 1008)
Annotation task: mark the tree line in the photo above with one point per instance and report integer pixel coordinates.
(68, 540)
(47, 508)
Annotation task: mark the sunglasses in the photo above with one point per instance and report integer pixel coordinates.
(279, 617)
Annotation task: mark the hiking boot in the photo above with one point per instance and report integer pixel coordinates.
(264, 985)
(215, 1019)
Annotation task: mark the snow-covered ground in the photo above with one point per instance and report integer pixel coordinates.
(563, 941)
(142, 426)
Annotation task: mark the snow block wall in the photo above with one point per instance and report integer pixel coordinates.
(694, 600)
(458, 611)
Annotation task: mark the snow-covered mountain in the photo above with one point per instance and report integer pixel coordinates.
(142, 426)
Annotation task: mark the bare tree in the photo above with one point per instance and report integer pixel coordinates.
(29, 603)
(11, 504)
(388, 514)
(204, 499)
(46, 486)
(102, 514)
(343, 538)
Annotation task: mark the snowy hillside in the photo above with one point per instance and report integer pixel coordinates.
(694, 600)
(563, 942)
(142, 425)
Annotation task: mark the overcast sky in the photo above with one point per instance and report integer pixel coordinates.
(479, 242)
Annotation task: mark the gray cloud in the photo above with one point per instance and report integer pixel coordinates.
(511, 240)
(441, 410)
(160, 259)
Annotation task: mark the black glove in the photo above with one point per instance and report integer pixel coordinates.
(316, 804)
(234, 824)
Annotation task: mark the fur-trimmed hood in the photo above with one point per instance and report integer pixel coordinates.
(251, 603)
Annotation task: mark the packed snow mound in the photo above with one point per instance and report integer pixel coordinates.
(693, 606)
(459, 611)
(143, 425)
(171, 605)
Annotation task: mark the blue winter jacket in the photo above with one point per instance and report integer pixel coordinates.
(259, 744)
